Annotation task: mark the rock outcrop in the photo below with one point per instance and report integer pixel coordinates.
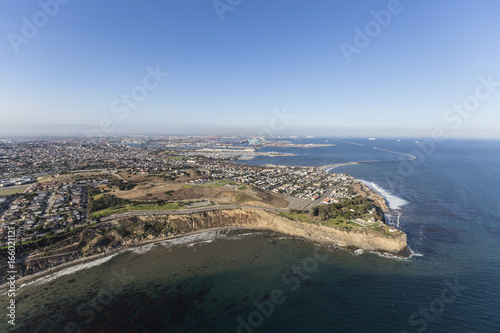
(365, 238)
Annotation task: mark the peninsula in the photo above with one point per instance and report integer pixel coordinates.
(97, 208)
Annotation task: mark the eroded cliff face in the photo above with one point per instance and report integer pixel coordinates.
(366, 239)
(130, 231)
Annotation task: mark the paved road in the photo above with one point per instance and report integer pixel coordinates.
(186, 211)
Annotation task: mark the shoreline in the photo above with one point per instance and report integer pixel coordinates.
(24, 281)
(314, 233)
(83, 260)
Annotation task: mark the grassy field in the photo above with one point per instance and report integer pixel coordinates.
(138, 207)
(300, 217)
(97, 196)
(384, 230)
(337, 222)
(340, 222)
(356, 224)
(10, 191)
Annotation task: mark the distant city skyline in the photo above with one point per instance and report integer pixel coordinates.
(65, 130)
(380, 68)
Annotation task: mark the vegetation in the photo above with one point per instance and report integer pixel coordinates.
(297, 216)
(97, 196)
(340, 215)
(347, 209)
(384, 230)
(122, 186)
(136, 206)
(104, 204)
(9, 191)
(241, 197)
(340, 222)
(105, 201)
(35, 244)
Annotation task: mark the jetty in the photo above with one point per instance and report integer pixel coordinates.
(335, 165)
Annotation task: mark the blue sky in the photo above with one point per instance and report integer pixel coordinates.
(227, 76)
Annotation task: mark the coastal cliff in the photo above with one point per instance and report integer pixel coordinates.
(364, 238)
(131, 231)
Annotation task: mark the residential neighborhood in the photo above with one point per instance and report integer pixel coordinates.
(39, 198)
(51, 207)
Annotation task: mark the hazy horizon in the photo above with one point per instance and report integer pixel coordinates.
(58, 130)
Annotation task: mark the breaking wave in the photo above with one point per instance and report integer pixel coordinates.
(69, 270)
(393, 201)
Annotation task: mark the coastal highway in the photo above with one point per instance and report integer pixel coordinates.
(186, 211)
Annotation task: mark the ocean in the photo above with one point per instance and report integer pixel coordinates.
(447, 201)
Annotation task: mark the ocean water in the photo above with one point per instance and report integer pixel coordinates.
(448, 202)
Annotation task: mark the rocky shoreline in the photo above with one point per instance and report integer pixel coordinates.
(105, 243)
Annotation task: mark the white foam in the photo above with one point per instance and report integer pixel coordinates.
(359, 252)
(190, 240)
(200, 242)
(207, 236)
(142, 249)
(70, 270)
(247, 234)
(389, 255)
(414, 254)
(393, 201)
(287, 237)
